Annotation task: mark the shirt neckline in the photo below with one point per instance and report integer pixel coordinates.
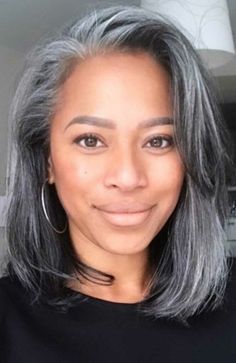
(103, 302)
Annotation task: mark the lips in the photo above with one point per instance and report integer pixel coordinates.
(124, 207)
(123, 214)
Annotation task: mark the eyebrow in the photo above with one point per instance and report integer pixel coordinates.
(109, 124)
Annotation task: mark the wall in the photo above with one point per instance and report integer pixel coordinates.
(10, 64)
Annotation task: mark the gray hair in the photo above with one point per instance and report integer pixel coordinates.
(188, 255)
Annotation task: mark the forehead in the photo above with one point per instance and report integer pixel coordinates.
(115, 86)
(114, 65)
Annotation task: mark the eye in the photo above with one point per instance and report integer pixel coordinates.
(160, 142)
(89, 141)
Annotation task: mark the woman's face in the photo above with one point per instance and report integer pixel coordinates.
(116, 169)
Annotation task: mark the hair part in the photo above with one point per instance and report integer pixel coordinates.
(188, 255)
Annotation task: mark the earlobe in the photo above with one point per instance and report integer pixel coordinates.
(50, 171)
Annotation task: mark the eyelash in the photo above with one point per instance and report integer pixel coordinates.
(168, 139)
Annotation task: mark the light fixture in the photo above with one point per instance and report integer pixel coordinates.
(205, 22)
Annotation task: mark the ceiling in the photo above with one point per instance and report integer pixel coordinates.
(23, 22)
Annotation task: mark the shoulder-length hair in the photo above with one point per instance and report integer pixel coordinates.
(188, 256)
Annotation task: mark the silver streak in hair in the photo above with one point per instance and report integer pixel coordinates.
(188, 256)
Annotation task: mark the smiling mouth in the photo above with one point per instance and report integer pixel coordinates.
(125, 218)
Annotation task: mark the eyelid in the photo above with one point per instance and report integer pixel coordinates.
(168, 138)
(86, 136)
(164, 137)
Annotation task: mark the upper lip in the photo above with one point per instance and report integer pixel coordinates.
(121, 207)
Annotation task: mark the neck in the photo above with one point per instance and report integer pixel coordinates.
(131, 274)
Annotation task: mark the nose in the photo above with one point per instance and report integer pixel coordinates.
(126, 171)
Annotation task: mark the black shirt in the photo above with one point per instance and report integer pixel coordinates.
(100, 331)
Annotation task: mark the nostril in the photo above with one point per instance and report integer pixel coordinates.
(126, 171)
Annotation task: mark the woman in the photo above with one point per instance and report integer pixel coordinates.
(116, 224)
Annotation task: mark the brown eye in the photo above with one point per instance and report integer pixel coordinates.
(88, 141)
(160, 142)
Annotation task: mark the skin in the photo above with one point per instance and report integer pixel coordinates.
(119, 165)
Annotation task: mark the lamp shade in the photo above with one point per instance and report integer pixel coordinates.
(206, 24)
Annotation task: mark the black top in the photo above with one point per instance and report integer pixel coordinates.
(100, 331)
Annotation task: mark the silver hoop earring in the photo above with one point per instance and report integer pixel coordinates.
(45, 211)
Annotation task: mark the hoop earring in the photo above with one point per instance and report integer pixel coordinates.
(45, 211)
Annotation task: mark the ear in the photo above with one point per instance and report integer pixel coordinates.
(50, 171)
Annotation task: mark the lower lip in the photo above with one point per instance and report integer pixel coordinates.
(126, 219)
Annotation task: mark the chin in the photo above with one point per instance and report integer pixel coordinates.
(125, 246)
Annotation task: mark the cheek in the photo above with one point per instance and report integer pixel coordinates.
(70, 174)
(168, 180)
(74, 177)
(171, 162)
(72, 183)
(169, 176)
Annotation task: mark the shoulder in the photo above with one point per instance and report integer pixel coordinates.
(6, 295)
(230, 293)
(8, 284)
(224, 315)
(12, 293)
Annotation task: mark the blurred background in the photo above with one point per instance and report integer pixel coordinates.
(24, 22)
